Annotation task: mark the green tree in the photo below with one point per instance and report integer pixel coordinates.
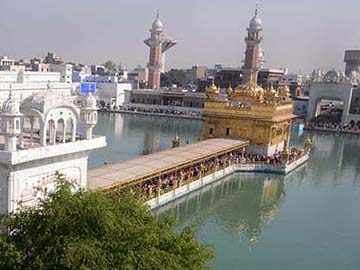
(174, 76)
(110, 67)
(92, 230)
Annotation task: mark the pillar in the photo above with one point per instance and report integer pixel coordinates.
(53, 133)
(88, 132)
(21, 136)
(73, 131)
(10, 144)
(64, 133)
(43, 134)
(31, 131)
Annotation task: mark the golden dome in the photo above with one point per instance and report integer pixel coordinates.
(212, 89)
(229, 90)
(248, 92)
(271, 94)
(249, 87)
(284, 91)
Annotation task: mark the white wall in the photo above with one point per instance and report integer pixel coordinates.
(8, 76)
(113, 91)
(36, 76)
(328, 90)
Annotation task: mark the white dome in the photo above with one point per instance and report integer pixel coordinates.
(11, 106)
(157, 25)
(332, 76)
(88, 101)
(44, 102)
(255, 24)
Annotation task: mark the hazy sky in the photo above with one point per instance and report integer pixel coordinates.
(300, 35)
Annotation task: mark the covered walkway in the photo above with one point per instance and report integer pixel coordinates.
(155, 168)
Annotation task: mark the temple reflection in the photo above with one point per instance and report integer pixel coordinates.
(241, 204)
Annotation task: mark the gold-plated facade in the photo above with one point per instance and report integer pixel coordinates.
(250, 112)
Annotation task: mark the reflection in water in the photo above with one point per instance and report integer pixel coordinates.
(240, 202)
(118, 126)
(335, 151)
(151, 141)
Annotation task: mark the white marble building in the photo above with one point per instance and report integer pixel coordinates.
(332, 86)
(39, 136)
(26, 83)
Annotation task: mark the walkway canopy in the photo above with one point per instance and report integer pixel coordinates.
(156, 164)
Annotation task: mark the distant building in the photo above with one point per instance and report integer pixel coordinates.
(7, 64)
(334, 86)
(39, 66)
(139, 76)
(298, 84)
(352, 60)
(165, 99)
(65, 71)
(97, 70)
(52, 58)
(80, 73)
(270, 77)
(102, 79)
(112, 94)
(225, 77)
(5, 61)
(196, 72)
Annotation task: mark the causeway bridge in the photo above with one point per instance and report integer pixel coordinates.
(167, 175)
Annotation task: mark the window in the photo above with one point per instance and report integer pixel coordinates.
(211, 131)
(227, 131)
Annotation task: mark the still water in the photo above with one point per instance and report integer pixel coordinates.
(309, 219)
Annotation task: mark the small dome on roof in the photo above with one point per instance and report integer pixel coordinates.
(11, 106)
(88, 101)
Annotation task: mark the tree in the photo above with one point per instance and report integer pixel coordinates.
(93, 230)
(174, 76)
(110, 66)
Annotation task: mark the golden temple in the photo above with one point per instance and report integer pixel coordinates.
(250, 112)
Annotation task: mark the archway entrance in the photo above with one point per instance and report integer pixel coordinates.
(328, 112)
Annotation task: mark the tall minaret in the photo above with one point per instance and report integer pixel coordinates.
(158, 44)
(253, 50)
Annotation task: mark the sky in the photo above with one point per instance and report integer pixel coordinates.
(300, 35)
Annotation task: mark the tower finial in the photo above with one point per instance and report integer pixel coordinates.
(256, 9)
(157, 13)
